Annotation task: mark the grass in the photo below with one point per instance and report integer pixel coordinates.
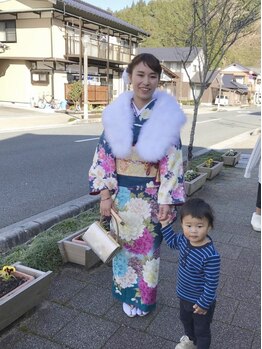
(42, 251)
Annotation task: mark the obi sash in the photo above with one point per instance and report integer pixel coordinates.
(134, 166)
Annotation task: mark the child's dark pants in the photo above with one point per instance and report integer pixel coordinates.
(197, 327)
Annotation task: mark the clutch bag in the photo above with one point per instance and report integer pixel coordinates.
(101, 241)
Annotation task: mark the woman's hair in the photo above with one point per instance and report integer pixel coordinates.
(147, 58)
(197, 208)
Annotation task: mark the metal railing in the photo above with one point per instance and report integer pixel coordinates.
(99, 49)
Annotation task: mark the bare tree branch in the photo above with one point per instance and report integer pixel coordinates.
(215, 26)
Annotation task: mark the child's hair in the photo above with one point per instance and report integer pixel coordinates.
(197, 208)
(148, 59)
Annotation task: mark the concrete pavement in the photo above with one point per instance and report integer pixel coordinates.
(79, 311)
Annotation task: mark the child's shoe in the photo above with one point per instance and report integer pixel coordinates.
(256, 221)
(185, 343)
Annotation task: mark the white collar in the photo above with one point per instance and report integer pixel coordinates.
(157, 134)
(139, 111)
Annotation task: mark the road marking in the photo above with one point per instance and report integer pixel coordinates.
(86, 140)
(202, 122)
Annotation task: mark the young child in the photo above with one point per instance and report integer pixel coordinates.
(198, 272)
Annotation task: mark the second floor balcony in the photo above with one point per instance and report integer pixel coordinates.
(99, 49)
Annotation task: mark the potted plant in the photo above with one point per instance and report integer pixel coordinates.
(22, 289)
(193, 181)
(211, 167)
(73, 249)
(11, 279)
(231, 157)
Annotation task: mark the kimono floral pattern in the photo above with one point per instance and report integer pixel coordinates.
(136, 266)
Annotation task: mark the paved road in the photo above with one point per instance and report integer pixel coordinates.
(47, 167)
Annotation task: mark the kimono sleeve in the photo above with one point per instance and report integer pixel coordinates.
(172, 190)
(102, 173)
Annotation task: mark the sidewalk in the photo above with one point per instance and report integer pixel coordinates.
(80, 312)
(19, 118)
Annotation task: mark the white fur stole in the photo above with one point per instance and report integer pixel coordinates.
(157, 134)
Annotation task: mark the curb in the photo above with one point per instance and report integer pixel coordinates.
(21, 232)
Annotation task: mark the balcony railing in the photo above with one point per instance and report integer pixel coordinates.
(99, 49)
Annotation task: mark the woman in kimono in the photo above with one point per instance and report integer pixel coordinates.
(138, 170)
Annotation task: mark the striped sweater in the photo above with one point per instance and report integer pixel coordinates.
(198, 270)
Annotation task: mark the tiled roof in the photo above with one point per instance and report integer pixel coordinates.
(170, 54)
(95, 14)
(210, 74)
(230, 83)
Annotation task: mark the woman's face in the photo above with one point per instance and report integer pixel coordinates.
(144, 81)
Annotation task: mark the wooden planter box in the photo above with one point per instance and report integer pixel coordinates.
(77, 251)
(17, 302)
(194, 185)
(231, 160)
(212, 171)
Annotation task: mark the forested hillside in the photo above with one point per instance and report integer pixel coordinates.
(165, 21)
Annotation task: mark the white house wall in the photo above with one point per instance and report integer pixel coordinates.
(16, 78)
(58, 33)
(36, 34)
(24, 5)
(60, 79)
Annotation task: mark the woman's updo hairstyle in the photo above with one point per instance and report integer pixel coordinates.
(147, 58)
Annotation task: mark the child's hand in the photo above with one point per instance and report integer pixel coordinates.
(199, 310)
(164, 223)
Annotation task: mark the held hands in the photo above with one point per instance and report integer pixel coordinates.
(165, 214)
(199, 310)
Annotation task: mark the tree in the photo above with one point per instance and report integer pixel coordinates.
(75, 93)
(212, 28)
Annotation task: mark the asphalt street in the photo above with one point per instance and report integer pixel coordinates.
(45, 162)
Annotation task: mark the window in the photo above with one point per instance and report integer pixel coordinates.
(7, 31)
(39, 77)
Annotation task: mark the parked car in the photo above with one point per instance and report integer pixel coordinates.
(223, 100)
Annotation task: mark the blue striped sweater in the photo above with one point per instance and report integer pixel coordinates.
(198, 270)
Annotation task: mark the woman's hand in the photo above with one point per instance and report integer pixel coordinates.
(105, 203)
(105, 207)
(165, 212)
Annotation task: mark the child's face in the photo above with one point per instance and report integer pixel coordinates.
(196, 230)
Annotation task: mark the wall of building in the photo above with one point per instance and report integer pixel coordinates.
(24, 5)
(15, 81)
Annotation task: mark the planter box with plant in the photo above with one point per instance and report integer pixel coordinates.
(211, 167)
(231, 157)
(73, 249)
(22, 288)
(194, 181)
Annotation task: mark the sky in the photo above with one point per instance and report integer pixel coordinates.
(114, 5)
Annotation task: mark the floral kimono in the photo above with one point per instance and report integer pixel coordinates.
(138, 184)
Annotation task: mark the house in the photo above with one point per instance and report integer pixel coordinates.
(240, 84)
(172, 58)
(246, 76)
(224, 85)
(43, 45)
